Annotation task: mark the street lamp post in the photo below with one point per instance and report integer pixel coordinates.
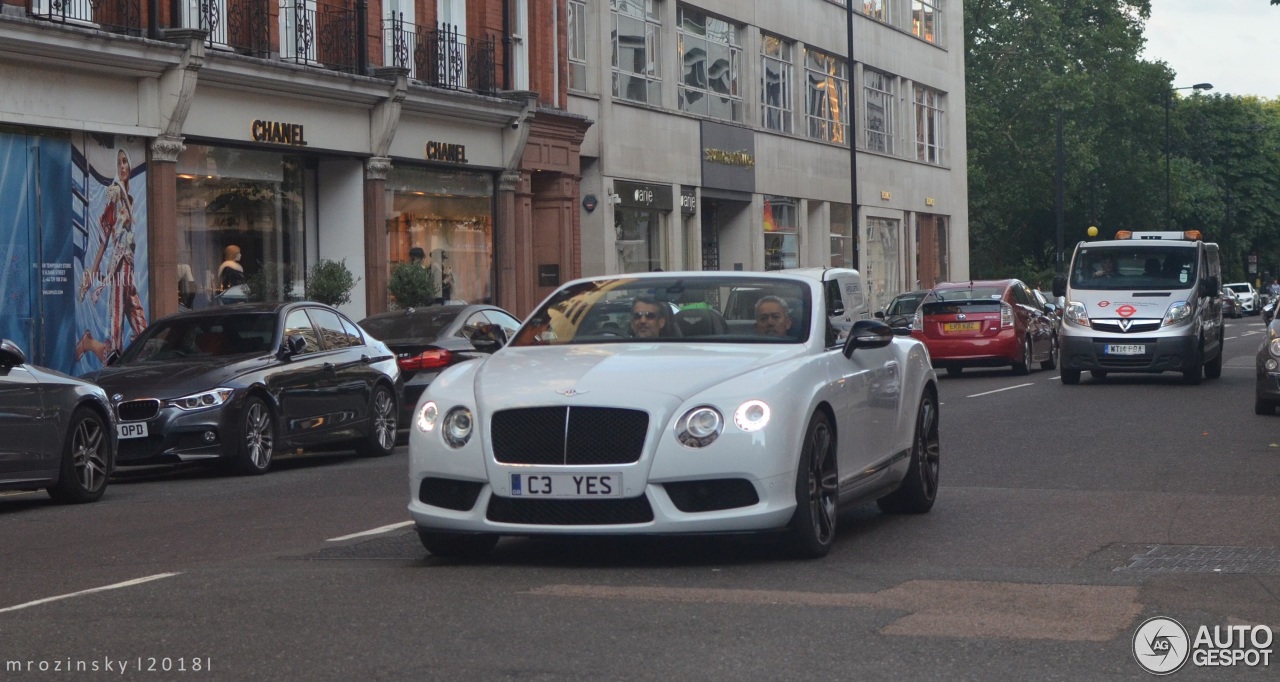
(1168, 193)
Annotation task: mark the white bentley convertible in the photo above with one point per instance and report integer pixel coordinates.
(675, 403)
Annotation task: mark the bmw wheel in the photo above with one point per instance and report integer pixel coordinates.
(813, 526)
(382, 424)
(920, 487)
(85, 459)
(257, 438)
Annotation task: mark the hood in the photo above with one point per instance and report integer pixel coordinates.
(173, 379)
(1128, 303)
(533, 376)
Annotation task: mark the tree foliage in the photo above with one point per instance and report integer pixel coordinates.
(411, 286)
(330, 282)
(1028, 60)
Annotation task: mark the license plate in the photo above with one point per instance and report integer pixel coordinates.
(1112, 349)
(132, 430)
(566, 485)
(961, 326)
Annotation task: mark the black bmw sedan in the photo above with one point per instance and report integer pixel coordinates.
(56, 432)
(428, 340)
(243, 383)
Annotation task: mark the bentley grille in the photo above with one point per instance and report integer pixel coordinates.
(571, 436)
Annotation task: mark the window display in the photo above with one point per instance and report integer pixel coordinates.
(781, 239)
(447, 217)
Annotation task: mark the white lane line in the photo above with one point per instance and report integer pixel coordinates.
(1229, 338)
(375, 531)
(127, 583)
(998, 390)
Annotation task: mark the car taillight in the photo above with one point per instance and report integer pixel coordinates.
(1006, 316)
(431, 359)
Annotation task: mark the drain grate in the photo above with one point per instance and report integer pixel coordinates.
(1205, 559)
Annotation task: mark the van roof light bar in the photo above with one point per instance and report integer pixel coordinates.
(1189, 235)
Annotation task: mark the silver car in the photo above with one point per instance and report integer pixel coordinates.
(56, 432)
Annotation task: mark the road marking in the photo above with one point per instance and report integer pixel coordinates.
(127, 583)
(1007, 388)
(1229, 338)
(935, 608)
(375, 531)
(1252, 332)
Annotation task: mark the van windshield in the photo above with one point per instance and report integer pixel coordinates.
(1137, 266)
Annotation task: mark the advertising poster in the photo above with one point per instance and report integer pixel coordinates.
(108, 250)
(17, 316)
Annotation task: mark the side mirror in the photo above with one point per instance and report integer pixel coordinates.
(489, 339)
(1209, 285)
(10, 354)
(1051, 308)
(835, 308)
(1059, 285)
(867, 334)
(292, 346)
(879, 314)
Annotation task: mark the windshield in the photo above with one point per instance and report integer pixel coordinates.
(1239, 288)
(204, 336)
(727, 309)
(417, 325)
(1142, 265)
(905, 304)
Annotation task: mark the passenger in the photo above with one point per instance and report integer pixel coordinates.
(648, 317)
(1105, 268)
(772, 317)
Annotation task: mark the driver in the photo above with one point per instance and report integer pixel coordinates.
(648, 317)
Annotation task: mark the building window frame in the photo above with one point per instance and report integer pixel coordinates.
(926, 20)
(645, 15)
(777, 100)
(577, 45)
(826, 107)
(880, 10)
(878, 111)
(698, 92)
(930, 129)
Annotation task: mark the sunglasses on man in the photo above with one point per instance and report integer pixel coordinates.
(644, 315)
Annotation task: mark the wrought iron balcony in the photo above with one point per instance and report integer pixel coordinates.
(240, 25)
(442, 56)
(320, 35)
(117, 16)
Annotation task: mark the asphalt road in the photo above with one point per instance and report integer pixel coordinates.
(1068, 515)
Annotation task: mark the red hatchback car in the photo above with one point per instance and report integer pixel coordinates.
(986, 323)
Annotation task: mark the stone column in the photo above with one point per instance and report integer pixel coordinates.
(162, 227)
(376, 256)
(506, 244)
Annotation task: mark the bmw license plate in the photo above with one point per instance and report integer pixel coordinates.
(1116, 349)
(131, 430)
(566, 485)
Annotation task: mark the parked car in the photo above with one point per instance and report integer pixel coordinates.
(1249, 300)
(902, 308)
(572, 429)
(1268, 312)
(428, 340)
(1230, 304)
(1267, 375)
(244, 383)
(56, 432)
(986, 323)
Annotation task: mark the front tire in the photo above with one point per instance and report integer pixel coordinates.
(1193, 374)
(812, 531)
(383, 412)
(1213, 368)
(1071, 377)
(85, 465)
(457, 546)
(1023, 367)
(257, 438)
(919, 489)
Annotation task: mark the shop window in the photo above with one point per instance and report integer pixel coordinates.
(640, 238)
(781, 234)
(842, 237)
(882, 271)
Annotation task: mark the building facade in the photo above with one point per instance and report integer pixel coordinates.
(143, 144)
(723, 127)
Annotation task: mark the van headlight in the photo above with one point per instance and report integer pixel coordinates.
(699, 427)
(1178, 313)
(457, 427)
(1076, 314)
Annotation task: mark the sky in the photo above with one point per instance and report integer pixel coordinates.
(1229, 43)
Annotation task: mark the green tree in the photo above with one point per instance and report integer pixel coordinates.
(330, 282)
(411, 285)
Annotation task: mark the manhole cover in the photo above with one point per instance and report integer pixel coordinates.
(1205, 559)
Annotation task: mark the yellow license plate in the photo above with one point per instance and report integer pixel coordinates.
(961, 326)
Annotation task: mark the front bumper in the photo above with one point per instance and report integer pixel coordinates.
(1268, 381)
(1163, 353)
(174, 435)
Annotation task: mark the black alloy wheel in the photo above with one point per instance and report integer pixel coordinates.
(85, 459)
(812, 531)
(383, 415)
(1023, 367)
(257, 438)
(919, 488)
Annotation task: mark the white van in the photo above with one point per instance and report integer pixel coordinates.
(846, 300)
(1142, 302)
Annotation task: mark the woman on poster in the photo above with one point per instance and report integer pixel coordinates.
(124, 304)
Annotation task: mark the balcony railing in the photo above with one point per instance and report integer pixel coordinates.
(319, 35)
(240, 25)
(117, 16)
(442, 56)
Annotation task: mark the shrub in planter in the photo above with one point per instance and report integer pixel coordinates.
(271, 283)
(411, 286)
(330, 282)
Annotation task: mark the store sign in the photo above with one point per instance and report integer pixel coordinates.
(688, 201)
(728, 157)
(447, 152)
(643, 195)
(739, 158)
(276, 132)
(928, 201)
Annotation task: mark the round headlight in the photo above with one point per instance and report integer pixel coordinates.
(457, 427)
(751, 415)
(427, 416)
(1274, 347)
(699, 427)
